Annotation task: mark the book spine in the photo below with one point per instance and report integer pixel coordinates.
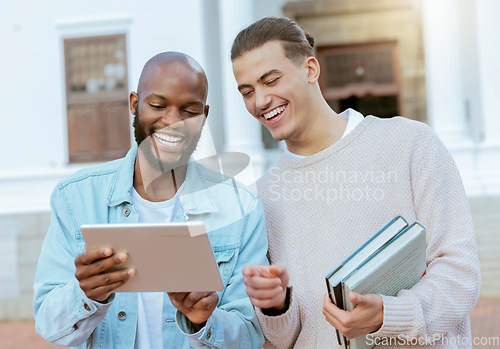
(332, 298)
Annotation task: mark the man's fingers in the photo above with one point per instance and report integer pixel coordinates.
(277, 269)
(199, 300)
(332, 320)
(359, 299)
(105, 280)
(101, 293)
(90, 256)
(332, 308)
(355, 298)
(177, 298)
(262, 294)
(99, 266)
(345, 321)
(266, 285)
(264, 270)
(194, 297)
(253, 270)
(259, 282)
(332, 313)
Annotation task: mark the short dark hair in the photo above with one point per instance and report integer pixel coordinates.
(297, 44)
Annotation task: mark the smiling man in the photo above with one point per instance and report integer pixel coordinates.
(342, 178)
(75, 303)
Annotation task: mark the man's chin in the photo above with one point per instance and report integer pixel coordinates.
(168, 165)
(173, 160)
(278, 136)
(164, 164)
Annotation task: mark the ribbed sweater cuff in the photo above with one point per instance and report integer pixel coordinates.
(399, 317)
(284, 321)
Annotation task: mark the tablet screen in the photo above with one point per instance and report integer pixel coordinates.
(168, 257)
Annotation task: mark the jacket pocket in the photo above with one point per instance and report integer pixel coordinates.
(226, 261)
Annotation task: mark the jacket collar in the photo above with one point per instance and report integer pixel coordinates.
(121, 185)
(197, 196)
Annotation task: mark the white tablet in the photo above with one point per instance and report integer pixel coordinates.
(169, 257)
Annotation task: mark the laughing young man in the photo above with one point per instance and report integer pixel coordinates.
(74, 302)
(341, 178)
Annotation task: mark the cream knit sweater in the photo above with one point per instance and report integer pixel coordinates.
(322, 208)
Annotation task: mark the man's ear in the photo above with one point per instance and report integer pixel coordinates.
(133, 100)
(205, 111)
(313, 70)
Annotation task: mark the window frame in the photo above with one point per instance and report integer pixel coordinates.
(98, 149)
(361, 89)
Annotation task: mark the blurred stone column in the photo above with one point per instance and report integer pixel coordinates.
(445, 100)
(242, 132)
(488, 45)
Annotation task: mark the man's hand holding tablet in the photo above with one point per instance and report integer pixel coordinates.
(197, 306)
(92, 271)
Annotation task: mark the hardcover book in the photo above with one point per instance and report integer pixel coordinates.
(392, 260)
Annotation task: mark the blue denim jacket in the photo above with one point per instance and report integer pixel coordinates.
(234, 218)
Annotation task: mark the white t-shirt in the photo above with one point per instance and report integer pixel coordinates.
(353, 119)
(150, 304)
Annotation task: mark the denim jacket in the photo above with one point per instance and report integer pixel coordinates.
(234, 219)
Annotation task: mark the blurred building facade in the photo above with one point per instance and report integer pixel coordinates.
(67, 69)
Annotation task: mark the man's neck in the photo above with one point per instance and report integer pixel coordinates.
(326, 128)
(155, 185)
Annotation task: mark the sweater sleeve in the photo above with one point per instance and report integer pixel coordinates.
(281, 331)
(443, 298)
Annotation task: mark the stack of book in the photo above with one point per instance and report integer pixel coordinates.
(392, 260)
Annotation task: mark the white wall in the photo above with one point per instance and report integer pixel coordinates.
(33, 146)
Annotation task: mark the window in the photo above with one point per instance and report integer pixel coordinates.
(364, 77)
(97, 98)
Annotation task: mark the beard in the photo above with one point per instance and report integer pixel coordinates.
(149, 149)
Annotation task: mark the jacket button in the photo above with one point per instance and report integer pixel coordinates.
(122, 315)
(126, 212)
(86, 306)
(209, 333)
